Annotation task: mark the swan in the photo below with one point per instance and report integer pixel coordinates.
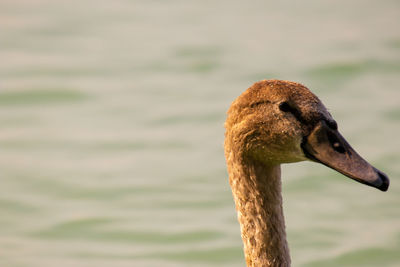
(271, 123)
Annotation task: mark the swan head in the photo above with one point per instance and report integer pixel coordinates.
(275, 122)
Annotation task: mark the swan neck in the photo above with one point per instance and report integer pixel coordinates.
(257, 191)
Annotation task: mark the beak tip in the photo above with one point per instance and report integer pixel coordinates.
(384, 186)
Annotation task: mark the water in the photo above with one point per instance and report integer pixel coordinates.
(112, 129)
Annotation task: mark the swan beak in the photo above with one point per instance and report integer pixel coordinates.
(328, 146)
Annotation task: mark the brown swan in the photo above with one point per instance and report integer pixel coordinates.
(271, 123)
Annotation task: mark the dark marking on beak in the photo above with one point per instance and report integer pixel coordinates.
(327, 146)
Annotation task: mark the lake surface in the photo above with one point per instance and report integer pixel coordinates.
(111, 139)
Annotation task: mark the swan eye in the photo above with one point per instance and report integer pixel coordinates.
(285, 107)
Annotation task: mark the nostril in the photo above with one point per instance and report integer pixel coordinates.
(385, 181)
(335, 143)
(338, 147)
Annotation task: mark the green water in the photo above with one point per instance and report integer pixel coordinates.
(111, 117)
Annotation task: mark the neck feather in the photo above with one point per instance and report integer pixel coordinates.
(257, 192)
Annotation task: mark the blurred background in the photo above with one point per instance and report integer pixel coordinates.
(111, 139)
